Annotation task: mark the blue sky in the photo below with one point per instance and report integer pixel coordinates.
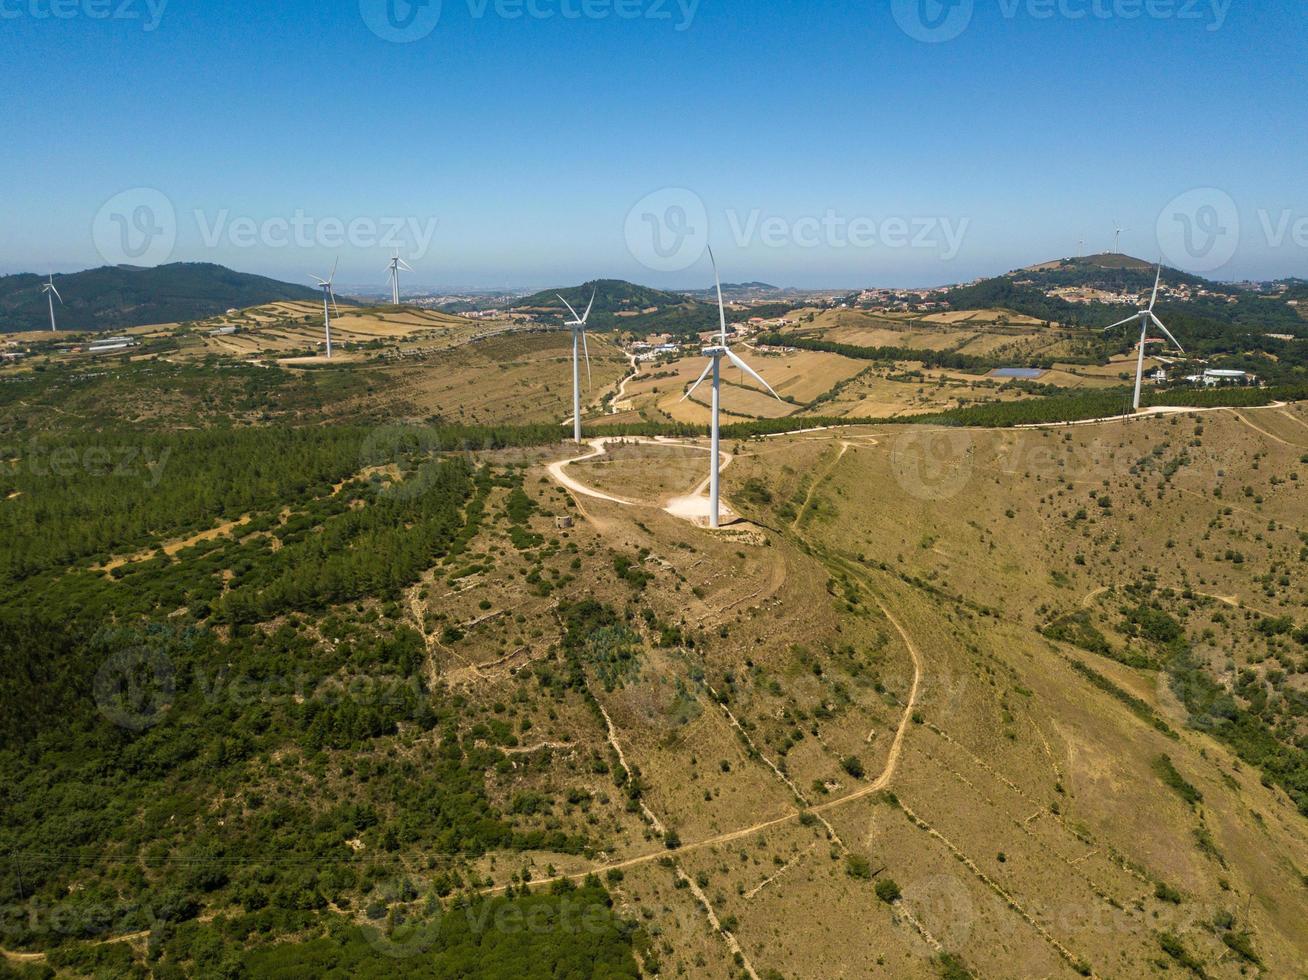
(825, 144)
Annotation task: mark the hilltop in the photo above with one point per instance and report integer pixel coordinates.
(622, 305)
(117, 297)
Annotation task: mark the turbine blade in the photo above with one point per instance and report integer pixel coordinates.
(405, 266)
(590, 305)
(722, 309)
(575, 318)
(56, 292)
(752, 373)
(692, 388)
(1159, 324)
(586, 347)
(332, 293)
(335, 265)
(1122, 323)
(1157, 282)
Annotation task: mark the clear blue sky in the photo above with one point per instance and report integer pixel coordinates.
(530, 139)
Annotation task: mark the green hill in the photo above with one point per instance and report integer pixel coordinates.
(115, 297)
(621, 305)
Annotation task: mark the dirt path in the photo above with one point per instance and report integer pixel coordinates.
(558, 471)
(876, 786)
(732, 943)
(621, 393)
(1263, 432)
(691, 507)
(612, 734)
(1090, 598)
(171, 548)
(818, 481)
(1292, 417)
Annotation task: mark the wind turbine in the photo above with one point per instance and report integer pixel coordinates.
(326, 286)
(1117, 238)
(578, 327)
(1146, 318)
(51, 293)
(715, 354)
(397, 264)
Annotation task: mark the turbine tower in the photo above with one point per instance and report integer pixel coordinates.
(578, 326)
(51, 294)
(327, 295)
(715, 354)
(1147, 319)
(397, 264)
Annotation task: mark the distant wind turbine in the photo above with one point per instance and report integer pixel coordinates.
(1117, 238)
(578, 326)
(327, 295)
(1146, 318)
(51, 294)
(715, 354)
(397, 264)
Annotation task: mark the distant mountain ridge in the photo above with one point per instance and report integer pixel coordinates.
(117, 297)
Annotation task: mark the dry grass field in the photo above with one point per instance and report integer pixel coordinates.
(898, 584)
(857, 748)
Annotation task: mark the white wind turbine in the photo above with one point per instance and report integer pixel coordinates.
(578, 326)
(397, 264)
(1117, 238)
(715, 354)
(326, 286)
(1147, 319)
(51, 294)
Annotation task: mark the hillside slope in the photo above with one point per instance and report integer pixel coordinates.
(115, 297)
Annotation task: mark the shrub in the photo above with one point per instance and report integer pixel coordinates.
(888, 891)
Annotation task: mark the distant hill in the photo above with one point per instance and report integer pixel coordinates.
(116, 297)
(1027, 291)
(1113, 273)
(612, 296)
(622, 305)
(1219, 320)
(1104, 260)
